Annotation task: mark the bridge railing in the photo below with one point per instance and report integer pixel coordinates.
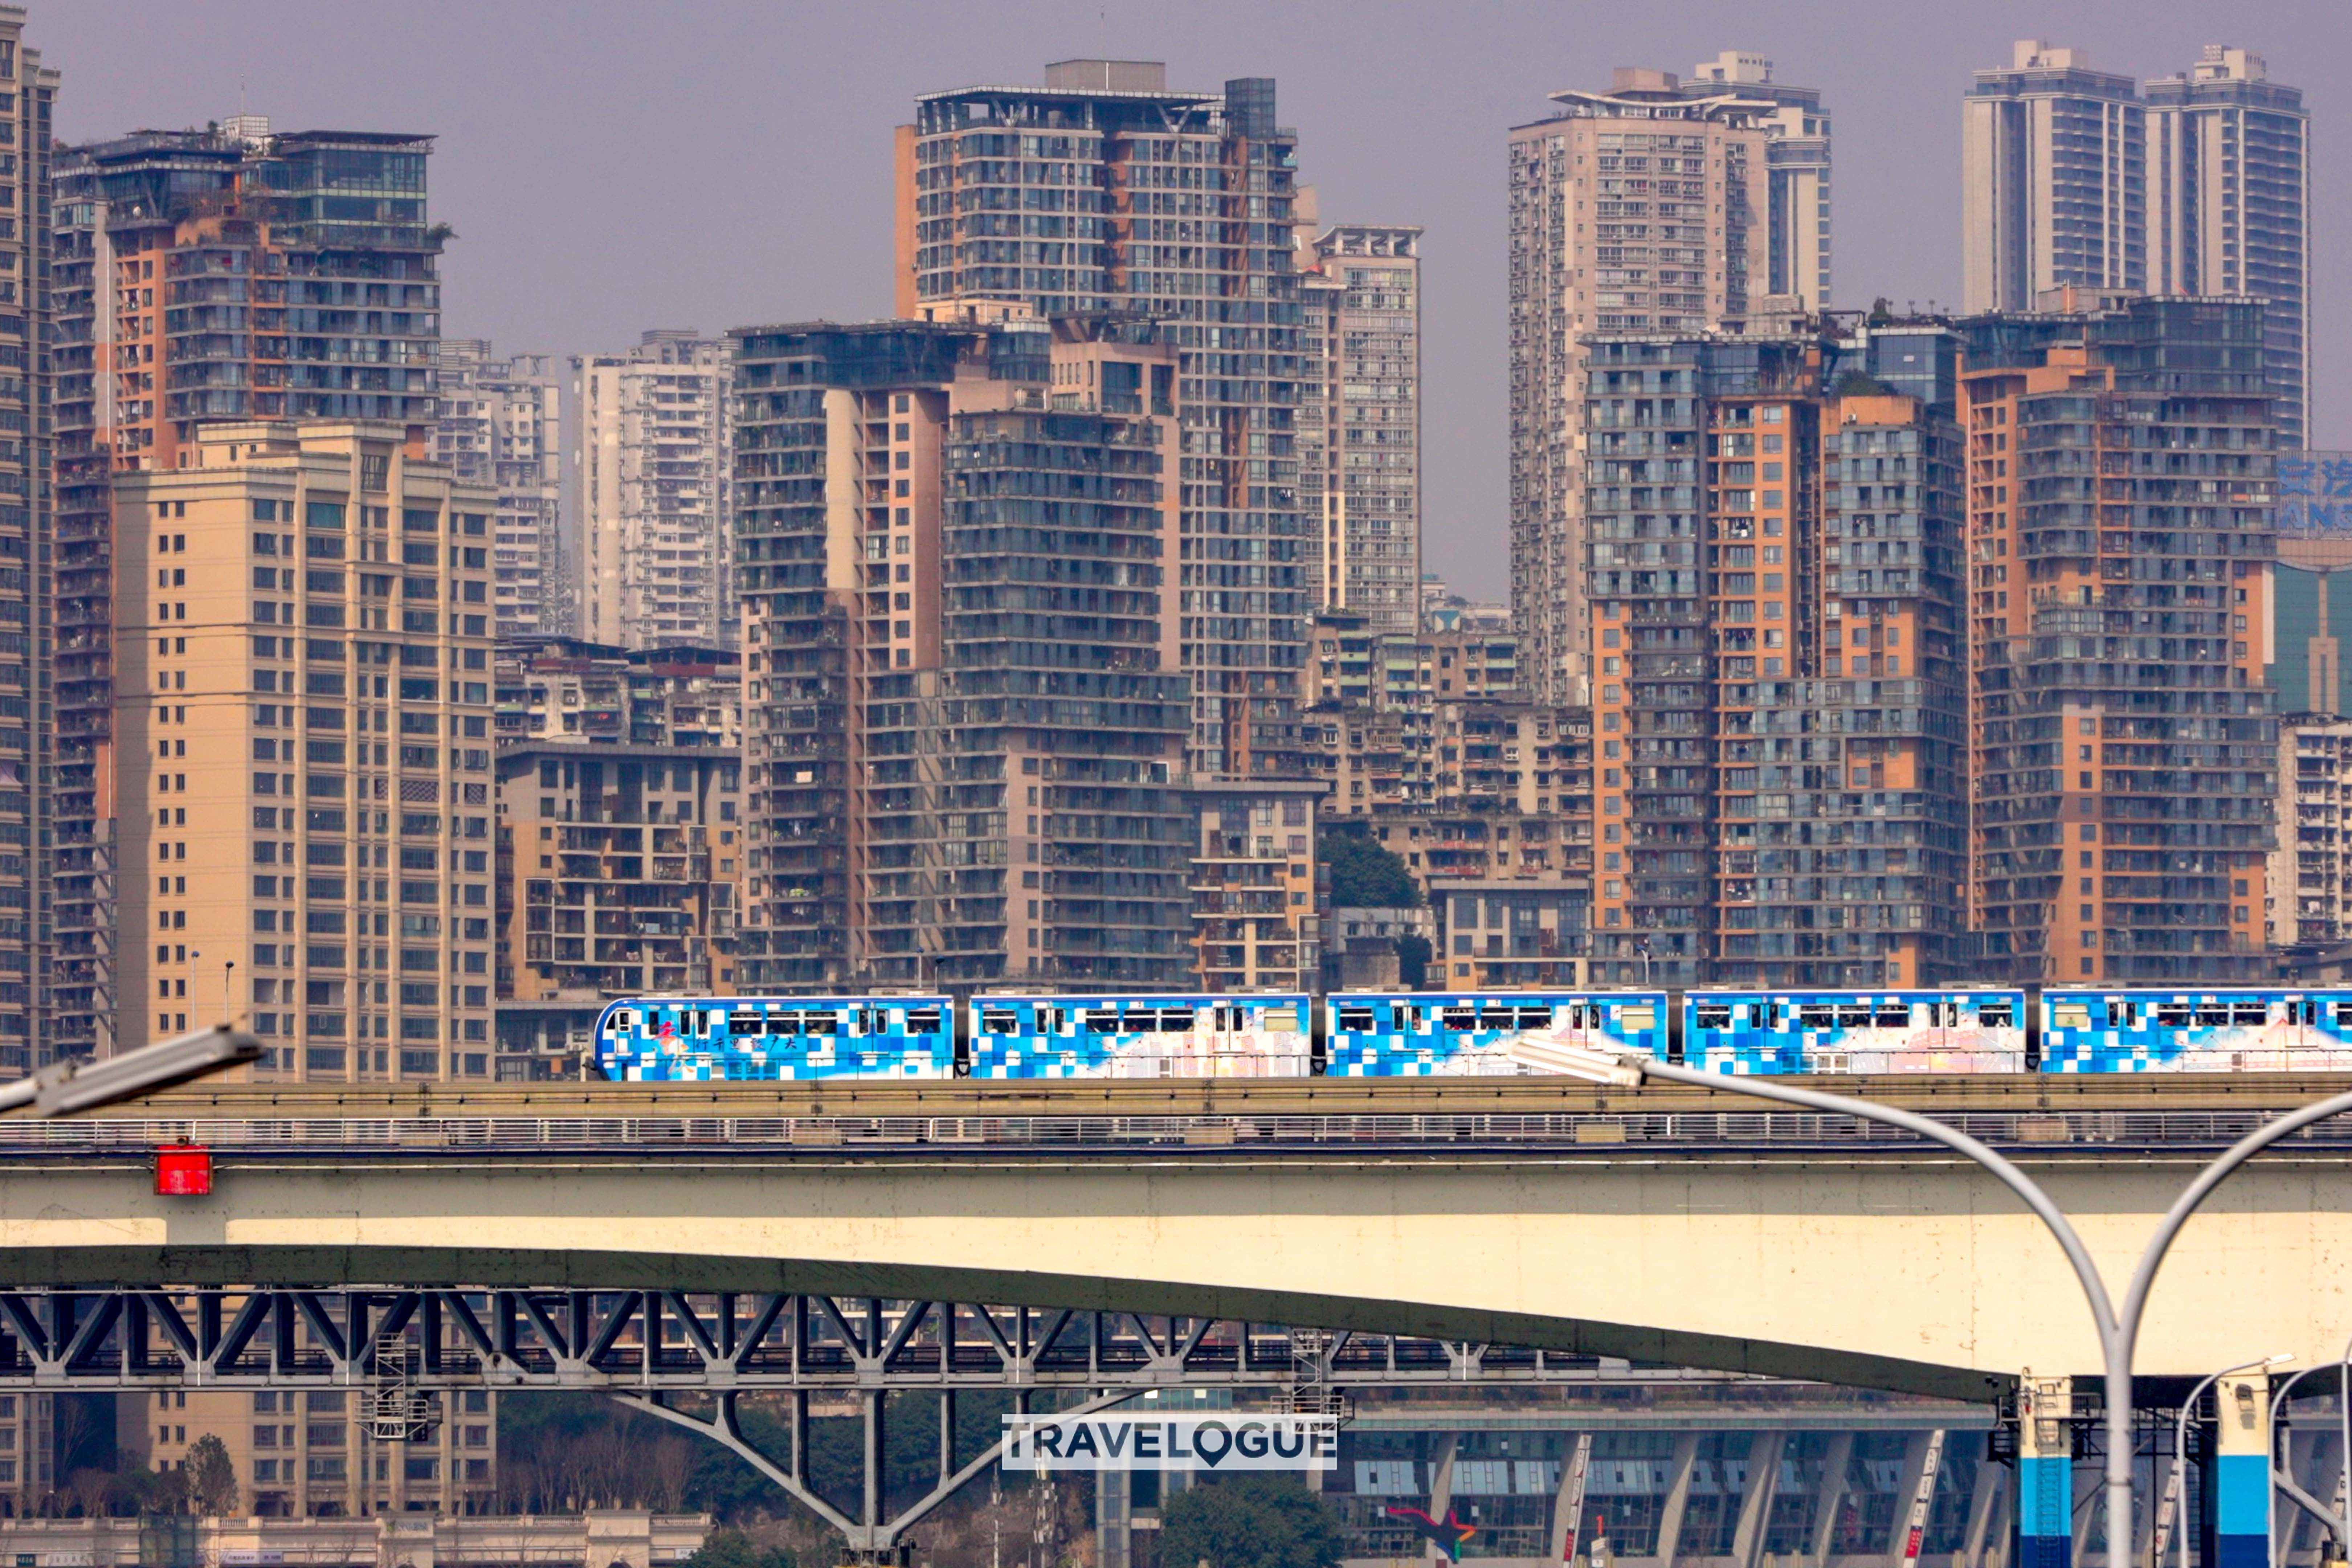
(1590, 1132)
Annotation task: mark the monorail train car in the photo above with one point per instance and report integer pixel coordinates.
(656, 1039)
(1379, 1034)
(1141, 1037)
(1777, 1032)
(2089, 1031)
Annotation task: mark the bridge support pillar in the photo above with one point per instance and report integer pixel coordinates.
(2045, 1472)
(1441, 1485)
(2241, 1472)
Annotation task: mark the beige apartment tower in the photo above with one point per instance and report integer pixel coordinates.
(655, 552)
(1641, 209)
(1359, 415)
(303, 694)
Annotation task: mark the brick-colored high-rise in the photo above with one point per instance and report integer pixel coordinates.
(203, 276)
(2120, 530)
(1639, 209)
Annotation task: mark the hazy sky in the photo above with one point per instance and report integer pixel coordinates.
(715, 162)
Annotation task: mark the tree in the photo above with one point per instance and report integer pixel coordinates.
(1364, 875)
(733, 1549)
(1250, 1522)
(1413, 961)
(212, 1477)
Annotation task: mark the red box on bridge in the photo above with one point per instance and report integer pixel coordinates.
(183, 1171)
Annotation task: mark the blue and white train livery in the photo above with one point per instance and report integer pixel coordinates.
(658, 1039)
(1413, 1035)
(2085, 1031)
(1141, 1037)
(1775, 1032)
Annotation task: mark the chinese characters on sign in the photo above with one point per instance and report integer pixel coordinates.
(2315, 492)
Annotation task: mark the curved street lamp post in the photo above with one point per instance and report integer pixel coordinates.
(2119, 1329)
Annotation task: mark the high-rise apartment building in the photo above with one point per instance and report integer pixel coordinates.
(303, 710)
(1774, 565)
(2309, 880)
(618, 870)
(501, 425)
(1797, 161)
(964, 704)
(2229, 192)
(1634, 210)
(28, 562)
(2199, 185)
(2055, 170)
(201, 275)
(1359, 417)
(656, 558)
(310, 1452)
(1103, 191)
(2120, 494)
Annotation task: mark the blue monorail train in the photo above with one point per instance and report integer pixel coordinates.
(1453, 1034)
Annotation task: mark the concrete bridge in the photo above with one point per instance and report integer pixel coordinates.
(1664, 1224)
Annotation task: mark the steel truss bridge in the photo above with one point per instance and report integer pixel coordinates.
(688, 1359)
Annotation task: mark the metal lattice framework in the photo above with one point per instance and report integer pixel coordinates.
(688, 1359)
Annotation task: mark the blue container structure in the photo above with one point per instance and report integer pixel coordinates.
(1767, 1033)
(2251, 1030)
(789, 1039)
(1075, 1036)
(1373, 1033)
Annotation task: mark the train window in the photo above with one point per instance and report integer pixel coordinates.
(2070, 1015)
(2306, 1010)
(624, 1019)
(1711, 1015)
(747, 1022)
(1583, 1016)
(1356, 1019)
(1816, 1018)
(926, 1022)
(2344, 1012)
(2169, 1016)
(1099, 1020)
(1459, 1018)
(1500, 1018)
(1996, 1016)
(1534, 1017)
(2249, 1013)
(2212, 1015)
(1853, 1016)
(999, 1023)
(1892, 1017)
(1638, 1019)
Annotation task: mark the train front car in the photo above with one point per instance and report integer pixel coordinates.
(1380, 1033)
(2254, 1031)
(1026, 1037)
(776, 1039)
(1771, 1033)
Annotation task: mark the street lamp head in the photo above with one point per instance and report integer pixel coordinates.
(72, 1086)
(1589, 1063)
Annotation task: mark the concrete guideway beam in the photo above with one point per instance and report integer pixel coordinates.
(1909, 1271)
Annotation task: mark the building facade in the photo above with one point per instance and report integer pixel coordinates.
(965, 708)
(28, 735)
(2120, 541)
(2229, 190)
(1797, 162)
(1103, 191)
(200, 276)
(309, 1454)
(2309, 880)
(395, 1538)
(501, 425)
(564, 691)
(2197, 186)
(656, 556)
(619, 870)
(1774, 566)
(303, 705)
(1359, 417)
(1256, 921)
(1637, 210)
